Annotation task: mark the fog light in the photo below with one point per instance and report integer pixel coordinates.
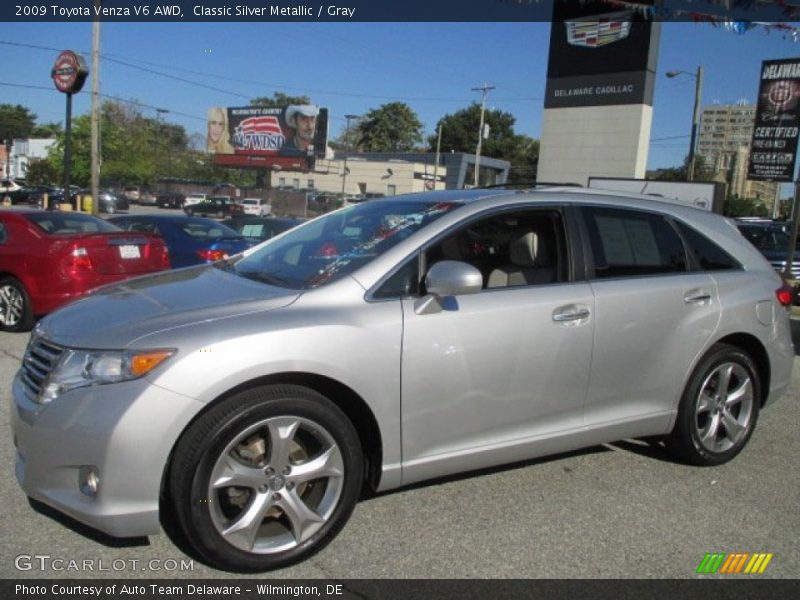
(88, 481)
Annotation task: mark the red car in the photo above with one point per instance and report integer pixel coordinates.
(48, 258)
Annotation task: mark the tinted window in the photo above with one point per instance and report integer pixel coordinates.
(709, 256)
(630, 243)
(766, 239)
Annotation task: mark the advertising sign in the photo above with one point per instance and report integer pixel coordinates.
(774, 144)
(69, 72)
(600, 56)
(288, 137)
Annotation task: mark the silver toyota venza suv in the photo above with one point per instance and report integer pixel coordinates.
(389, 342)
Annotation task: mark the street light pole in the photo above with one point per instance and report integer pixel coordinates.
(698, 94)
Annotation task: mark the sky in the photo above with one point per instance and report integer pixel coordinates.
(352, 68)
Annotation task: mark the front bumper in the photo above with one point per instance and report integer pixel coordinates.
(125, 431)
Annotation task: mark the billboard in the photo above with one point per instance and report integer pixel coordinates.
(289, 137)
(774, 143)
(600, 56)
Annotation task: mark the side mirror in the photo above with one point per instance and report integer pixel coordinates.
(448, 278)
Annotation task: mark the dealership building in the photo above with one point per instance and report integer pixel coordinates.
(389, 174)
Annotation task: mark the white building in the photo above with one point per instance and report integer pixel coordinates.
(23, 150)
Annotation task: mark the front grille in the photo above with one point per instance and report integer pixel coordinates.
(41, 357)
(779, 265)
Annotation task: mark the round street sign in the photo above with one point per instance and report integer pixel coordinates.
(69, 72)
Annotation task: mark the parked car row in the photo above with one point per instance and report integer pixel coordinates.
(49, 258)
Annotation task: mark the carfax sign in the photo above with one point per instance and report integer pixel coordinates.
(774, 144)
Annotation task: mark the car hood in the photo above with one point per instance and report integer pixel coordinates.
(116, 316)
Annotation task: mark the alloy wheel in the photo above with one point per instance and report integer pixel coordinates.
(11, 305)
(275, 484)
(724, 407)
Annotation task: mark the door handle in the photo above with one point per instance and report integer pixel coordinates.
(697, 297)
(569, 313)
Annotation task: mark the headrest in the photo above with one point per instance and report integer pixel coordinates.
(527, 250)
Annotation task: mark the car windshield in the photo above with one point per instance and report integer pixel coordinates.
(66, 224)
(337, 244)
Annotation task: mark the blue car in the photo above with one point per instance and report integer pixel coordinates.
(190, 240)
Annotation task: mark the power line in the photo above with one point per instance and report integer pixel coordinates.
(111, 58)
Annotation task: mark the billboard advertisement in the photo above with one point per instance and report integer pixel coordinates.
(600, 55)
(289, 137)
(774, 143)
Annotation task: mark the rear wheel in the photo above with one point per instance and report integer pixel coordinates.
(719, 408)
(266, 478)
(16, 313)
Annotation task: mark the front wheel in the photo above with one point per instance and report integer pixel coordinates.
(266, 478)
(719, 408)
(16, 313)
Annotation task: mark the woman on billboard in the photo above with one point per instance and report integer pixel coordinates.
(218, 141)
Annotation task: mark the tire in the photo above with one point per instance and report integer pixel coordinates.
(719, 408)
(283, 510)
(16, 313)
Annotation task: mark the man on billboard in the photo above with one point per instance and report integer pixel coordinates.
(302, 118)
(217, 140)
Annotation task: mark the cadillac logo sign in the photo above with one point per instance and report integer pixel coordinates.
(69, 72)
(599, 30)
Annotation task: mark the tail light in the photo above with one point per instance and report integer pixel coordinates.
(785, 295)
(78, 260)
(209, 255)
(165, 264)
(327, 250)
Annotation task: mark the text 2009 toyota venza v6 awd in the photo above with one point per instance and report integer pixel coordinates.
(390, 342)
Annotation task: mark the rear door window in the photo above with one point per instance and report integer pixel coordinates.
(629, 243)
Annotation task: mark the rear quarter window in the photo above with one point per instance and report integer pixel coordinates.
(708, 255)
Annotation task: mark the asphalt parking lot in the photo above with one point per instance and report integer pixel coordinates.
(623, 510)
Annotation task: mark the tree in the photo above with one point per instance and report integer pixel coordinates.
(744, 207)
(16, 121)
(47, 130)
(279, 100)
(392, 127)
(41, 172)
(460, 134)
(702, 171)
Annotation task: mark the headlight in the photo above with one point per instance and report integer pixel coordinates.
(82, 368)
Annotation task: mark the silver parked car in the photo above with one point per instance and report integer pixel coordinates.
(391, 342)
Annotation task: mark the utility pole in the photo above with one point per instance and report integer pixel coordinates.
(349, 147)
(94, 183)
(159, 112)
(484, 89)
(438, 154)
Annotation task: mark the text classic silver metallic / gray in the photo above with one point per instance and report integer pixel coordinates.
(390, 342)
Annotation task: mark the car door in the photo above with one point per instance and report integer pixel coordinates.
(495, 371)
(653, 316)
